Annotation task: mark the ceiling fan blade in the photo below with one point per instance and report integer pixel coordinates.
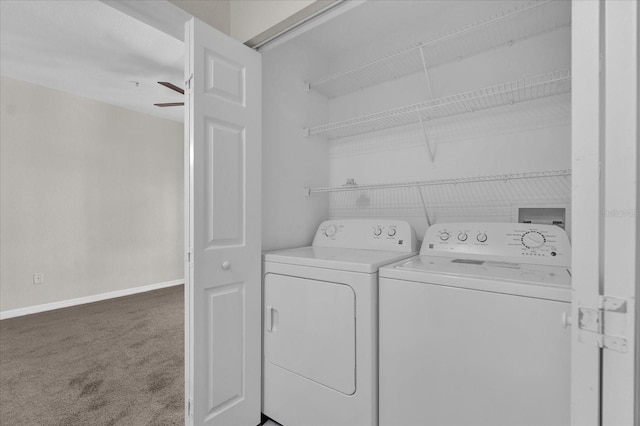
(168, 104)
(172, 86)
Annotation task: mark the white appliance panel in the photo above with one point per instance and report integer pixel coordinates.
(524, 287)
(367, 234)
(343, 259)
(292, 399)
(511, 242)
(488, 269)
(310, 330)
(453, 356)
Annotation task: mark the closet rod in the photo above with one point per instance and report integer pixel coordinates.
(450, 181)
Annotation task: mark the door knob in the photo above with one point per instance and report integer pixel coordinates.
(226, 265)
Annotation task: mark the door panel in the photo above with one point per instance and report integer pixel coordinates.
(225, 348)
(223, 127)
(225, 152)
(310, 330)
(225, 78)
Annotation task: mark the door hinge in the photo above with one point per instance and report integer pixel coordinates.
(188, 257)
(187, 83)
(190, 407)
(606, 325)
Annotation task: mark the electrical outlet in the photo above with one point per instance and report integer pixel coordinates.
(38, 278)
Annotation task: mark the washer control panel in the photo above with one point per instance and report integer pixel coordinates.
(515, 242)
(368, 234)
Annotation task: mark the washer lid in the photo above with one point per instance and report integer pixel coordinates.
(343, 259)
(552, 282)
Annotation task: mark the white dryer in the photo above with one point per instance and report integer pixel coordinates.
(473, 331)
(321, 323)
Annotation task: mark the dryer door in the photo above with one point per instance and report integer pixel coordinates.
(310, 330)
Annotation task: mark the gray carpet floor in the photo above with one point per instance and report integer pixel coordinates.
(116, 362)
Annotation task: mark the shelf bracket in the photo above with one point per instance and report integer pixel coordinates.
(426, 72)
(424, 206)
(432, 156)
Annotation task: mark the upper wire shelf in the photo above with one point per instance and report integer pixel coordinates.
(505, 28)
(553, 83)
(450, 181)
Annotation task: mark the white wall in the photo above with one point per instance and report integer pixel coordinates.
(250, 18)
(524, 137)
(244, 20)
(215, 13)
(290, 160)
(91, 196)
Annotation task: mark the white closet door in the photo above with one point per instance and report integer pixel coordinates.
(223, 125)
(620, 396)
(606, 223)
(587, 193)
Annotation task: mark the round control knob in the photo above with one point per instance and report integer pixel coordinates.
(533, 239)
(462, 236)
(392, 232)
(330, 231)
(377, 232)
(482, 237)
(444, 236)
(226, 265)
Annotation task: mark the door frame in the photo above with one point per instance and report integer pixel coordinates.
(621, 210)
(606, 211)
(586, 199)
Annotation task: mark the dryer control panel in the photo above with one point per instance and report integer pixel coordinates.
(510, 242)
(367, 234)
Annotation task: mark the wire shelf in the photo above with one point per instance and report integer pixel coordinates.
(437, 182)
(504, 28)
(553, 83)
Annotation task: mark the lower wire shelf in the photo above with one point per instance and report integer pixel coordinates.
(449, 181)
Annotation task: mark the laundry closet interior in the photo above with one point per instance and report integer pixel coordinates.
(433, 113)
(430, 112)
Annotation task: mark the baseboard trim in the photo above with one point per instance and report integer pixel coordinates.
(87, 299)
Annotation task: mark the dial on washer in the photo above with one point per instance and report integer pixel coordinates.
(533, 239)
(330, 231)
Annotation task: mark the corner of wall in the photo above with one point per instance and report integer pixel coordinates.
(215, 13)
(254, 21)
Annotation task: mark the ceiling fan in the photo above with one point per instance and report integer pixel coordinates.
(172, 87)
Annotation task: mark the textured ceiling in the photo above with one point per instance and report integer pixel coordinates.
(91, 50)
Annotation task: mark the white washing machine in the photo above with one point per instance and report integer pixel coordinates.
(473, 330)
(321, 323)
